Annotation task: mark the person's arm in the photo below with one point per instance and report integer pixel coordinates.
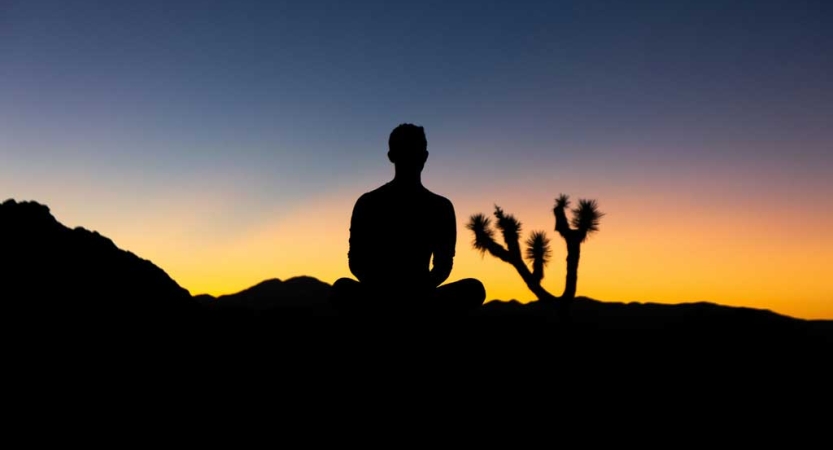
(357, 254)
(447, 241)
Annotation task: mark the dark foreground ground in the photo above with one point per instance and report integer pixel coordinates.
(675, 378)
(638, 336)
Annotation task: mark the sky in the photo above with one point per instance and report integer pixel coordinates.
(228, 141)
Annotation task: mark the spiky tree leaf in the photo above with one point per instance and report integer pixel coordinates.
(484, 237)
(538, 247)
(562, 224)
(510, 227)
(480, 224)
(507, 223)
(563, 201)
(586, 216)
(538, 251)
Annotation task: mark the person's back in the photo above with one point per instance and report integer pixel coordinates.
(402, 240)
(394, 232)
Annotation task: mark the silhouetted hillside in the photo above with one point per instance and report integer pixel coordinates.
(295, 293)
(695, 323)
(700, 323)
(51, 269)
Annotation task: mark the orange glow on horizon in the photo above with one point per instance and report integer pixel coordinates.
(684, 254)
(648, 250)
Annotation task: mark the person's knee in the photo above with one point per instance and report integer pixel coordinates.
(475, 290)
(343, 290)
(344, 283)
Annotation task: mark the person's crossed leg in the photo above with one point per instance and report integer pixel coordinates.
(453, 298)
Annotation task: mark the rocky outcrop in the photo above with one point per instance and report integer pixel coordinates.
(47, 267)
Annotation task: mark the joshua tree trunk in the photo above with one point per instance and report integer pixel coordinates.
(532, 283)
(573, 254)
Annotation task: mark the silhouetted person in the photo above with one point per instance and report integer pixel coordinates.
(395, 231)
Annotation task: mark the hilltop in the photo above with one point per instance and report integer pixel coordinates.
(52, 270)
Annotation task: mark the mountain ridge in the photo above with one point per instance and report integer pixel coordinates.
(296, 292)
(262, 289)
(45, 260)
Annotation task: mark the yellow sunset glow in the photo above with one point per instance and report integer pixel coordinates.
(655, 251)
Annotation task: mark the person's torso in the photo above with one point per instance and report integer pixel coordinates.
(406, 228)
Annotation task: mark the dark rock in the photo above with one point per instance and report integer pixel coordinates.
(50, 269)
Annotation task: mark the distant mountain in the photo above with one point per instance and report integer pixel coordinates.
(702, 320)
(696, 321)
(49, 268)
(308, 292)
(298, 292)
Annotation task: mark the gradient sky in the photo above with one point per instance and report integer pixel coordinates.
(227, 141)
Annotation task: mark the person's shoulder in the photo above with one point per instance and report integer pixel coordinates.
(440, 200)
(381, 190)
(370, 196)
(375, 192)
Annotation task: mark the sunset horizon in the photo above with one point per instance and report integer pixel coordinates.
(228, 144)
(501, 281)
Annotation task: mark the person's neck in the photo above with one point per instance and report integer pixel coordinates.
(407, 179)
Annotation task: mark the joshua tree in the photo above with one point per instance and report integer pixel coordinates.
(585, 221)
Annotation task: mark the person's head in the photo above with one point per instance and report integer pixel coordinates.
(408, 148)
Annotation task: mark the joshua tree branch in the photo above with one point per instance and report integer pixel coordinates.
(484, 237)
(538, 251)
(499, 252)
(510, 228)
(562, 225)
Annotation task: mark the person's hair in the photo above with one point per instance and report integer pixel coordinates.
(406, 139)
